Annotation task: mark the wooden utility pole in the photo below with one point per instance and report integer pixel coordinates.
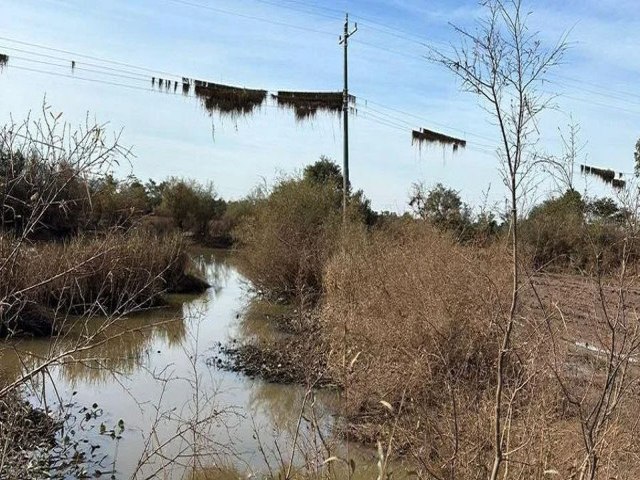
(344, 40)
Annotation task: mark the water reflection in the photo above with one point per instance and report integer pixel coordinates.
(180, 411)
(120, 346)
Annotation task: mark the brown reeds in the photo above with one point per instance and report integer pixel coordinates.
(114, 273)
(426, 136)
(228, 100)
(306, 105)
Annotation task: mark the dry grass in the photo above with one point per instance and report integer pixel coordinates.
(419, 312)
(115, 273)
(414, 321)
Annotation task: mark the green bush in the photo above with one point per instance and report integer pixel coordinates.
(294, 230)
(191, 205)
(571, 232)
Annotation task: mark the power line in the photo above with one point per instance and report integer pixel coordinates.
(380, 27)
(423, 119)
(280, 5)
(90, 57)
(597, 85)
(251, 17)
(80, 68)
(92, 80)
(69, 60)
(392, 125)
(374, 25)
(411, 126)
(408, 36)
(74, 55)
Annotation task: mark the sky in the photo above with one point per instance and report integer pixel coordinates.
(293, 45)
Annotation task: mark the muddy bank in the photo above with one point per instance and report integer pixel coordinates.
(292, 361)
(22, 318)
(295, 353)
(26, 318)
(188, 283)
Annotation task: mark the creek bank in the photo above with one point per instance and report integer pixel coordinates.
(297, 353)
(188, 283)
(28, 318)
(35, 314)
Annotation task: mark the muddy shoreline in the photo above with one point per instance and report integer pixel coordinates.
(296, 355)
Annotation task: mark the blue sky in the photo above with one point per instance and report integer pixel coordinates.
(172, 135)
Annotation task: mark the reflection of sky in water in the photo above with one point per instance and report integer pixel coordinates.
(151, 373)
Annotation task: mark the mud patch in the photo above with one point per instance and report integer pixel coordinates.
(290, 361)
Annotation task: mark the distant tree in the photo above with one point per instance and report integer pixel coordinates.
(604, 209)
(191, 204)
(441, 206)
(154, 192)
(324, 171)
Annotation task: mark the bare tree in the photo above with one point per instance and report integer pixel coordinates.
(562, 168)
(505, 64)
(40, 162)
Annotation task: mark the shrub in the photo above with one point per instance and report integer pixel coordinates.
(289, 238)
(118, 204)
(294, 229)
(443, 208)
(191, 205)
(52, 191)
(414, 295)
(116, 273)
(418, 311)
(569, 232)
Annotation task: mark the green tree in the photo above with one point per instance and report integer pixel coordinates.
(324, 171)
(191, 205)
(441, 206)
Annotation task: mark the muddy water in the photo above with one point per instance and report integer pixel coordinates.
(161, 382)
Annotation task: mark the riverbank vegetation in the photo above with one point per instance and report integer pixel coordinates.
(453, 333)
(477, 342)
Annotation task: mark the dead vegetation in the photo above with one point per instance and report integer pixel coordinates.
(228, 100)
(607, 176)
(426, 136)
(306, 105)
(109, 275)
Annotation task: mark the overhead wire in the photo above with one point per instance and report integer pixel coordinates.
(383, 122)
(601, 90)
(83, 63)
(130, 75)
(423, 119)
(79, 68)
(251, 17)
(90, 57)
(381, 27)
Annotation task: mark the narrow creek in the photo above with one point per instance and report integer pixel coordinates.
(163, 379)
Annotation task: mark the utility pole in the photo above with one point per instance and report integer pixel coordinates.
(344, 40)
